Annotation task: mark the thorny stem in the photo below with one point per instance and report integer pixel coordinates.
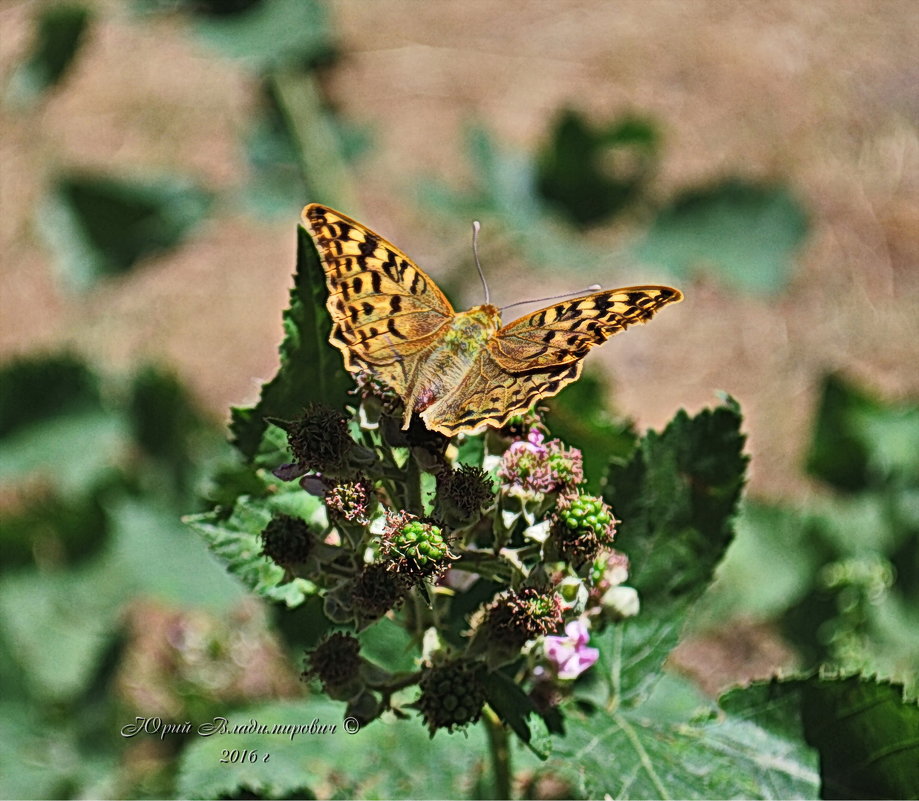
(500, 752)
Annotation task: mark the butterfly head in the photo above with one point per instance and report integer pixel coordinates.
(470, 330)
(481, 320)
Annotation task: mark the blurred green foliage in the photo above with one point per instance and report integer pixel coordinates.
(743, 233)
(60, 30)
(840, 574)
(590, 174)
(100, 226)
(96, 471)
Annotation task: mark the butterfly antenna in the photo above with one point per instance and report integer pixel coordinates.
(591, 288)
(475, 252)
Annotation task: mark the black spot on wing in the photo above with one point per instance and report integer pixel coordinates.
(391, 327)
(369, 245)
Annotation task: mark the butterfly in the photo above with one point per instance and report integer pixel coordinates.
(459, 371)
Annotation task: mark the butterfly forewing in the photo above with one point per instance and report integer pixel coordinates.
(384, 307)
(563, 333)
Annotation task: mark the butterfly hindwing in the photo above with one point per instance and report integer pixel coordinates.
(385, 309)
(563, 333)
(489, 395)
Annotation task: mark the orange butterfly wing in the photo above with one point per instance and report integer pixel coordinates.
(386, 311)
(563, 333)
(537, 355)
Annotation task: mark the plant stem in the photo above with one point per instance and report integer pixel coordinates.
(413, 500)
(321, 162)
(500, 752)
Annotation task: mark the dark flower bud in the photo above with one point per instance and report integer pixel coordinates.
(287, 540)
(516, 617)
(462, 494)
(581, 526)
(374, 591)
(336, 663)
(320, 443)
(452, 694)
(413, 548)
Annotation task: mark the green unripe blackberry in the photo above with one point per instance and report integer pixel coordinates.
(583, 524)
(414, 548)
(452, 694)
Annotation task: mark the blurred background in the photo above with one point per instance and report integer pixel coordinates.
(762, 157)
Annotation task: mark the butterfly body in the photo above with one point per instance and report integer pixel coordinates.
(450, 357)
(457, 370)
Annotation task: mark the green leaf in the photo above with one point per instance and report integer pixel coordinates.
(277, 184)
(578, 415)
(314, 763)
(60, 448)
(676, 497)
(68, 529)
(311, 368)
(61, 622)
(60, 30)
(46, 757)
(271, 33)
(754, 749)
(859, 442)
(236, 542)
(74, 452)
(744, 233)
(516, 709)
(99, 226)
(867, 735)
(589, 173)
(170, 430)
(317, 138)
(389, 645)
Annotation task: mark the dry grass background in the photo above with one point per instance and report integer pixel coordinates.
(823, 95)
